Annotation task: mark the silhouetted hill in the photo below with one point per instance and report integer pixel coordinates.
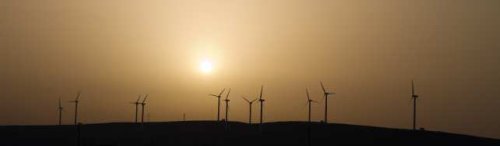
(235, 133)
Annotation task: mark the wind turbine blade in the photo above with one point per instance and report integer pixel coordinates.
(261, 90)
(138, 99)
(307, 103)
(144, 100)
(412, 88)
(322, 99)
(221, 92)
(254, 100)
(245, 99)
(59, 102)
(227, 96)
(307, 92)
(78, 95)
(322, 87)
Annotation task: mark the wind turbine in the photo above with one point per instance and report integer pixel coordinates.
(143, 103)
(414, 97)
(218, 103)
(325, 93)
(60, 108)
(261, 100)
(250, 110)
(309, 101)
(76, 101)
(136, 107)
(227, 104)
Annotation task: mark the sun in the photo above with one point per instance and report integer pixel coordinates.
(206, 66)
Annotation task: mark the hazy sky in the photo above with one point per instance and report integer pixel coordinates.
(364, 50)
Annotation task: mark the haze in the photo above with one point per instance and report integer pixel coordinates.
(366, 51)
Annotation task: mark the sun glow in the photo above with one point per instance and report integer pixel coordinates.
(206, 66)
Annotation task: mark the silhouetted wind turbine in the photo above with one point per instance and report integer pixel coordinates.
(309, 101)
(60, 108)
(76, 101)
(325, 93)
(143, 103)
(218, 103)
(261, 100)
(250, 109)
(227, 104)
(414, 97)
(136, 107)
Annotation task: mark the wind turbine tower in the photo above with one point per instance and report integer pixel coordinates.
(143, 104)
(136, 103)
(60, 108)
(76, 101)
(250, 109)
(218, 103)
(414, 97)
(309, 101)
(261, 100)
(227, 104)
(326, 93)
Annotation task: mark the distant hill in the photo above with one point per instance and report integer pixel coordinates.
(234, 133)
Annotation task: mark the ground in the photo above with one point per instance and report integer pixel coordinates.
(232, 133)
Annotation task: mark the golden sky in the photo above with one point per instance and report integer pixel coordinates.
(366, 51)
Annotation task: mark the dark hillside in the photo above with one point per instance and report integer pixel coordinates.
(240, 134)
